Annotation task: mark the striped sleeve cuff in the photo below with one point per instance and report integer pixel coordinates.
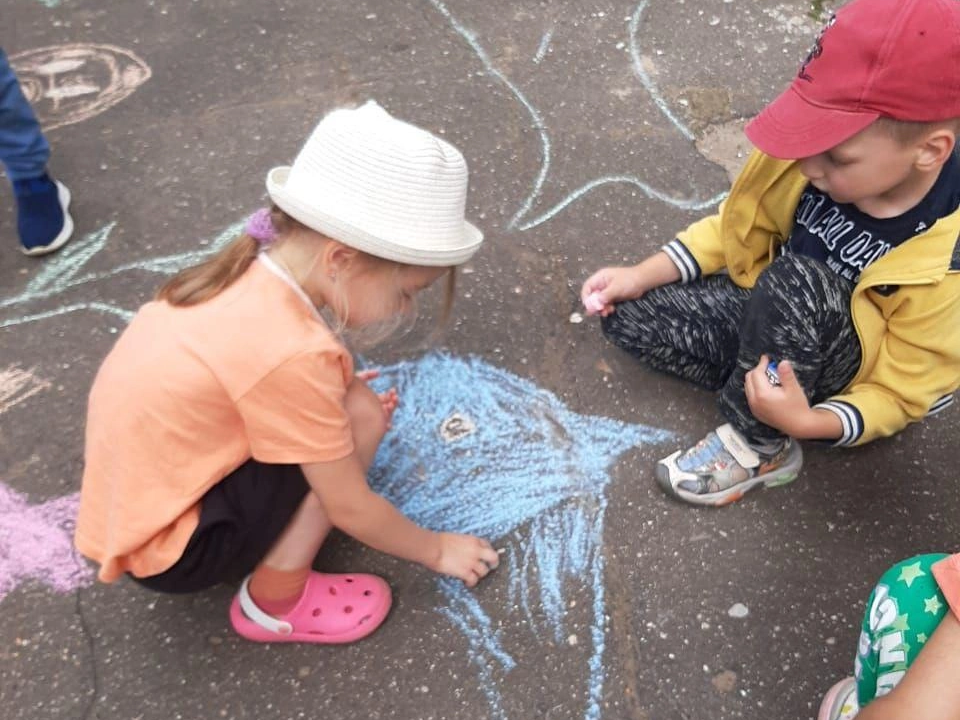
(677, 251)
(850, 418)
(942, 404)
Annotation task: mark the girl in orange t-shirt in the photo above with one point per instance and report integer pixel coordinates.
(227, 433)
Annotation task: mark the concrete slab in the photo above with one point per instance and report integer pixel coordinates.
(594, 131)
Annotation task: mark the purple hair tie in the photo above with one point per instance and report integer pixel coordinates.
(260, 227)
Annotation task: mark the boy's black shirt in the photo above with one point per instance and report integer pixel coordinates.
(847, 239)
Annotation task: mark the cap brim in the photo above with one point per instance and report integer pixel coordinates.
(328, 224)
(791, 128)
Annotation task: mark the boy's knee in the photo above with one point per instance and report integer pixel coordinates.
(365, 411)
(624, 328)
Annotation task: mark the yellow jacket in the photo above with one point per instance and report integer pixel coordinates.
(905, 307)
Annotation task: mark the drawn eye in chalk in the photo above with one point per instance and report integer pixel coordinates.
(456, 427)
(71, 83)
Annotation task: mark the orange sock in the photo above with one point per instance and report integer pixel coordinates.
(276, 592)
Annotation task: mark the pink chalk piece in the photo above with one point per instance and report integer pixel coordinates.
(593, 302)
(36, 543)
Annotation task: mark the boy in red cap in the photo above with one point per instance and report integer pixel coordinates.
(823, 299)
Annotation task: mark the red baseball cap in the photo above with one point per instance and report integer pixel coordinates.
(892, 58)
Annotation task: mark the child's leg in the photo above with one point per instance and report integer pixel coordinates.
(280, 577)
(23, 149)
(799, 310)
(902, 613)
(685, 330)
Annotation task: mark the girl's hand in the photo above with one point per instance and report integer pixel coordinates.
(388, 400)
(367, 375)
(608, 286)
(785, 406)
(466, 557)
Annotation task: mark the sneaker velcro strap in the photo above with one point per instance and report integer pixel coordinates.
(737, 446)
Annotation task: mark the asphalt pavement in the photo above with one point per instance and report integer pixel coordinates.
(594, 131)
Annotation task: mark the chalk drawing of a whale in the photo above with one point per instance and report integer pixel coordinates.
(477, 449)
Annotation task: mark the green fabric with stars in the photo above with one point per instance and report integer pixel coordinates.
(902, 613)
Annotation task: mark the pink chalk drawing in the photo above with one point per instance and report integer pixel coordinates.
(17, 384)
(36, 543)
(70, 83)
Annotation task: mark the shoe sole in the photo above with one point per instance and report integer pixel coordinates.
(63, 195)
(828, 707)
(781, 476)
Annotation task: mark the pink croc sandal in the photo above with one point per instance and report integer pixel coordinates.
(333, 609)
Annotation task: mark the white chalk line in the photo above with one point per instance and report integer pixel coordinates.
(642, 75)
(61, 273)
(541, 128)
(538, 122)
(17, 384)
(544, 44)
(104, 308)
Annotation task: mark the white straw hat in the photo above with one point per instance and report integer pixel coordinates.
(382, 186)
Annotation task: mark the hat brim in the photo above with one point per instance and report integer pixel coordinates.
(791, 128)
(318, 219)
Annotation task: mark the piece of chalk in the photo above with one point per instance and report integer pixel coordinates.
(773, 377)
(593, 303)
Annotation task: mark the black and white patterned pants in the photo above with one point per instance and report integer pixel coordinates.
(712, 332)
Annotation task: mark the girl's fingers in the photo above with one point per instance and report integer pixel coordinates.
(489, 556)
(481, 569)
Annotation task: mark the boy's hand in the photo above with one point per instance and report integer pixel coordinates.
(784, 406)
(608, 286)
(466, 557)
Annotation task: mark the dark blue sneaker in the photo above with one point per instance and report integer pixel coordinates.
(43, 217)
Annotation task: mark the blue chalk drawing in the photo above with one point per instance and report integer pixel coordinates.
(520, 219)
(479, 450)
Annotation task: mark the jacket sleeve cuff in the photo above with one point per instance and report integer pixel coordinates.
(685, 262)
(850, 419)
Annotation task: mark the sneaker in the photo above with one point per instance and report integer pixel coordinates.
(722, 468)
(840, 702)
(43, 218)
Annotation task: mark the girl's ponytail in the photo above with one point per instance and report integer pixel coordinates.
(201, 282)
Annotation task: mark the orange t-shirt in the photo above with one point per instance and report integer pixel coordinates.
(186, 396)
(947, 574)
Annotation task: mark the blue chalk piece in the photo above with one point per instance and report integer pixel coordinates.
(773, 377)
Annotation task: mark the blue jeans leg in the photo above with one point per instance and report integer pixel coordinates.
(23, 148)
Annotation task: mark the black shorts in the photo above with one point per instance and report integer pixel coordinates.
(240, 519)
